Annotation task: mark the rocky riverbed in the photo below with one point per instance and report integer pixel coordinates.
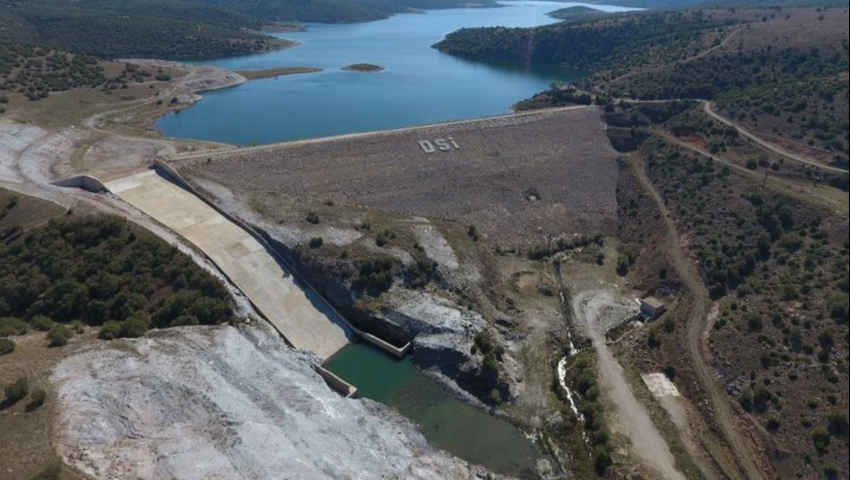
(228, 402)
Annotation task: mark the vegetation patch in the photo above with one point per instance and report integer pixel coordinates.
(102, 271)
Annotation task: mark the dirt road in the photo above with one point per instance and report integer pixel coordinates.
(706, 107)
(597, 311)
(779, 184)
(698, 56)
(698, 335)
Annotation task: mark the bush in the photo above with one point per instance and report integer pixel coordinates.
(381, 240)
(654, 339)
(184, 320)
(313, 218)
(6, 346)
(821, 439)
(133, 328)
(838, 425)
(624, 262)
(317, 242)
(773, 425)
(602, 461)
(110, 330)
(37, 399)
(13, 326)
(59, 335)
(17, 391)
(41, 323)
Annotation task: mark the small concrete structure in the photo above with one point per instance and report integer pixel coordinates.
(652, 308)
(660, 386)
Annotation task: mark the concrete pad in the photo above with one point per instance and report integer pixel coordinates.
(660, 386)
(302, 318)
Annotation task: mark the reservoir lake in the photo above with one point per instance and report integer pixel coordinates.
(419, 86)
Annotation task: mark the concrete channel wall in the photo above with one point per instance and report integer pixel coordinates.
(332, 380)
(85, 182)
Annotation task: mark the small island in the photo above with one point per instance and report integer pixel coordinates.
(363, 68)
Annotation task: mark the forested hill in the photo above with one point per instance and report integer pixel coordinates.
(589, 44)
(177, 29)
(133, 28)
(335, 11)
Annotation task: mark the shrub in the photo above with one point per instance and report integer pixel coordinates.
(6, 346)
(78, 327)
(602, 461)
(821, 438)
(317, 242)
(773, 425)
(184, 320)
(133, 328)
(13, 326)
(59, 335)
(838, 425)
(654, 339)
(624, 262)
(37, 399)
(830, 472)
(41, 323)
(16, 392)
(754, 323)
(313, 218)
(110, 330)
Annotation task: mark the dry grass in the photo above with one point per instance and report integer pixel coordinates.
(25, 441)
(25, 212)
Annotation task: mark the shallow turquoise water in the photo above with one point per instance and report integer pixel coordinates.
(420, 85)
(448, 423)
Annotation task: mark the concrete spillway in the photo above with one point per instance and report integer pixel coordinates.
(302, 318)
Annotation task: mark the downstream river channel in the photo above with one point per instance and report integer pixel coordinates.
(465, 431)
(419, 86)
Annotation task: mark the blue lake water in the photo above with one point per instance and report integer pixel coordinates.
(419, 86)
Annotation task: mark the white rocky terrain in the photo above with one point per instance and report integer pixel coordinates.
(228, 402)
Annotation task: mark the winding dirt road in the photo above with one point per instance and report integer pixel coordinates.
(706, 107)
(698, 325)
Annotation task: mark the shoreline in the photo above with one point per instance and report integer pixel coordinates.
(276, 72)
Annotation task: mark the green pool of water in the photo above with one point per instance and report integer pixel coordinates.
(446, 422)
